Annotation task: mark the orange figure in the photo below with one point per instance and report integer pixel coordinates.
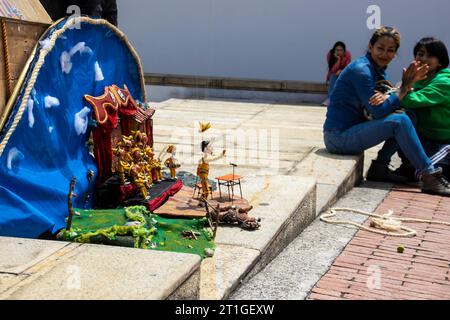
(172, 162)
(203, 166)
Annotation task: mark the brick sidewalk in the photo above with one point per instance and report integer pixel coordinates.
(421, 272)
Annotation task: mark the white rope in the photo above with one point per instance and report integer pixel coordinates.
(381, 224)
(58, 33)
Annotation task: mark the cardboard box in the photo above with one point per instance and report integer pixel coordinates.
(25, 21)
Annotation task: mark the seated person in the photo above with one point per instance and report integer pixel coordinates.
(347, 130)
(338, 58)
(429, 106)
(430, 102)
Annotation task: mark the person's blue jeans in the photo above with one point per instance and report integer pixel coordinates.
(391, 146)
(332, 84)
(397, 127)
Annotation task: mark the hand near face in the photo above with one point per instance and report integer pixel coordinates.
(415, 72)
(421, 72)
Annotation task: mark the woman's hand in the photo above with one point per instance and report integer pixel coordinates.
(378, 99)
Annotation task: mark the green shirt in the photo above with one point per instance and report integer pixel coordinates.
(430, 101)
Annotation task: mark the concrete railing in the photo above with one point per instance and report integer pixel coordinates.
(233, 83)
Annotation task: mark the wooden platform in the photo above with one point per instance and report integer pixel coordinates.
(182, 205)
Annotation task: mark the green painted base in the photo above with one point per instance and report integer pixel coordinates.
(154, 233)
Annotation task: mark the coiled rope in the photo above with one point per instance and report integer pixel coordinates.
(381, 224)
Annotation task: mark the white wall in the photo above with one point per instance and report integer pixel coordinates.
(268, 39)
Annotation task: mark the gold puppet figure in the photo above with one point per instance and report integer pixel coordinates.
(153, 164)
(172, 162)
(125, 160)
(157, 169)
(203, 165)
(141, 181)
(140, 139)
(138, 173)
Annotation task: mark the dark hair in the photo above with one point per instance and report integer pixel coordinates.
(386, 32)
(435, 48)
(204, 145)
(333, 59)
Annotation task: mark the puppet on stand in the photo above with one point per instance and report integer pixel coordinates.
(207, 158)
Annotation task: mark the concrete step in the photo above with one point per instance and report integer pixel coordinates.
(298, 268)
(287, 205)
(35, 269)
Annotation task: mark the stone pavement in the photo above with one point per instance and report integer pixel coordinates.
(50, 270)
(371, 268)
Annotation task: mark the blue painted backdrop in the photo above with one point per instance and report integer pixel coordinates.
(48, 148)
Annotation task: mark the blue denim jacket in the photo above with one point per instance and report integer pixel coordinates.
(352, 93)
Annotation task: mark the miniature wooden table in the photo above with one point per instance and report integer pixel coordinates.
(229, 181)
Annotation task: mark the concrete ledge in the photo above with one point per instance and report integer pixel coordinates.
(300, 219)
(335, 174)
(18, 255)
(353, 179)
(233, 83)
(94, 272)
(286, 205)
(189, 290)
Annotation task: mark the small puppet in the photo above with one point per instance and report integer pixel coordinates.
(203, 165)
(154, 165)
(139, 174)
(172, 162)
(140, 139)
(233, 215)
(124, 158)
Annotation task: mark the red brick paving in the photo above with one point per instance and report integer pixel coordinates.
(422, 272)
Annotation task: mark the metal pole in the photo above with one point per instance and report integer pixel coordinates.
(232, 188)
